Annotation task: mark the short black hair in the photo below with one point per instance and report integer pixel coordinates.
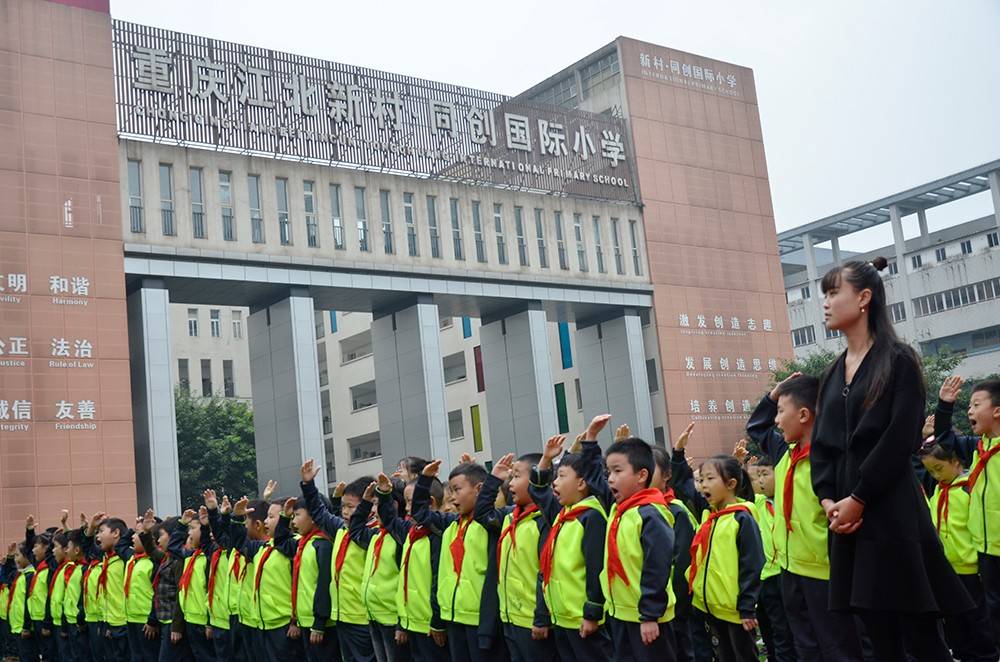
(803, 390)
(938, 452)
(662, 460)
(531, 458)
(991, 386)
(638, 453)
(729, 468)
(115, 524)
(169, 525)
(61, 539)
(44, 539)
(257, 510)
(358, 486)
(414, 464)
(75, 536)
(25, 551)
(475, 473)
(762, 460)
(575, 462)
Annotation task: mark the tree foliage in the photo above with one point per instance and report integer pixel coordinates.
(215, 447)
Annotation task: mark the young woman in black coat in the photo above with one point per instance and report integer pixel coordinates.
(886, 562)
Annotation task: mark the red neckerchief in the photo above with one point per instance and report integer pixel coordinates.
(942, 504)
(345, 543)
(669, 496)
(297, 564)
(770, 507)
(548, 549)
(517, 516)
(799, 453)
(704, 534)
(415, 534)
(644, 497)
(102, 579)
(984, 457)
(238, 573)
(86, 580)
(457, 546)
(377, 552)
(68, 575)
(128, 572)
(44, 565)
(13, 586)
(213, 570)
(260, 567)
(185, 583)
(54, 576)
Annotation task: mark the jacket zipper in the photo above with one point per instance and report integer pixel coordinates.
(704, 576)
(506, 590)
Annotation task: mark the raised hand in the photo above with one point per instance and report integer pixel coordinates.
(338, 491)
(289, 507)
(29, 523)
(384, 484)
(148, 520)
(203, 515)
(271, 488)
(623, 432)
(928, 428)
(950, 389)
(309, 470)
(226, 506)
(95, 521)
(578, 443)
(432, 468)
(553, 447)
(188, 516)
(11, 548)
(503, 467)
(740, 451)
(211, 501)
(466, 458)
(240, 508)
(774, 391)
(596, 425)
(682, 440)
(369, 494)
(64, 521)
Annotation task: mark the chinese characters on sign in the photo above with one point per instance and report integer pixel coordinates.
(16, 415)
(690, 75)
(720, 325)
(193, 91)
(71, 286)
(11, 285)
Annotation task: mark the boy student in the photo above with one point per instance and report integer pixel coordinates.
(516, 535)
(138, 589)
(379, 577)
(18, 566)
(347, 604)
(266, 597)
(38, 589)
(572, 556)
(192, 588)
(74, 624)
(312, 573)
(225, 573)
(638, 554)
(166, 552)
(801, 526)
(420, 623)
(466, 582)
(977, 452)
(109, 541)
(57, 592)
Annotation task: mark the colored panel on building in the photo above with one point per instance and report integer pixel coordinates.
(477, 353)
(477, 429)
(565, 349)
(561, 411)
(466, 327)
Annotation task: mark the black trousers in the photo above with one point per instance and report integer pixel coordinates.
(202, 647)
(894, 634)
(970, 636)
(275, 646)
(64, 643)
(701, 637)
(463, 643)
(327, 650)
(734, 643)
(522, 648)
(683, 646)
(626, 640)
(172, 651)
(989, 570)
(384, 642)
(774, 623)
(80, 643)
(571, 648)
(423, 648)
(46, 643)
(222, 643)
(116, 642)
(819, 634)
(141, 648)
(27, 649)
(355, 642)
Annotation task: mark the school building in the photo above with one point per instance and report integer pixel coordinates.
(382, 265)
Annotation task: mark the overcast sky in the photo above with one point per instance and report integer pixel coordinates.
(858, 99)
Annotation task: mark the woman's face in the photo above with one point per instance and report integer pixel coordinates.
(842, 305)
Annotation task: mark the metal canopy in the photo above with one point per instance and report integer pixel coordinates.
(962, 184)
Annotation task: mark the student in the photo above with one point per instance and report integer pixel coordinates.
(267, 589)
(57, 593)
(869, 416)
(192, 588)
(639, 548)
(18, 561)
(984, 480)
(727, 557)
(516, 534)
(801, 527)
(225, 568)
(38, 589)
(379, 577)
(312, 575)
(348, 608)
(969, 636)
(138, 589)
(109, 541)
(420, 624)
(470, 611)
(166, 552)
(572, 556)
(74, 623)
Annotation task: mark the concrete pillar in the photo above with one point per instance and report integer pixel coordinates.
(835, 244)
(284, 379)
(517, 369)
(613, 377)
(905, 328)
(154, 424)
(898, 240)
(994, 178)
(409, 384)
(807, 246)
(922, 222)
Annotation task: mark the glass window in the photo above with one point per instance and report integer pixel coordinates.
(206, 378)
(284, 226)
(135, 196)
(543, 252)
(633, 230)
(324, 398)
(522, 244)
(498, 230)
(228, 380)
(456, 229)
(477, 432)
(336, 219)
(226, 205)
(917, 261)
(561, 410)
(565, 348)
(993, 239)
(432, 226)
(966, 247)
(652, 376)
(237, 323)
(616, 243)
(805, 335)
(477, 355)
(455, 428)
(940, 254)
(215, 322)
(365, 447)
(361, 214)
(256, 217)
(193, 322)
(167, 199)
(477, 232)
(197, 204)
(454, 367)
(363, 396)
(386, 213)
(309, 204)
(598, 245)
(560, 240)
(184, 378)
(581, 246)
(411, 225)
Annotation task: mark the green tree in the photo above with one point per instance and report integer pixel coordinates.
(813, 364)
(215, 447)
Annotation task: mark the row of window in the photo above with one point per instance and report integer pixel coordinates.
(806, 335)
(966, 295)
(228, 378)
(523, 236)
(214, 322)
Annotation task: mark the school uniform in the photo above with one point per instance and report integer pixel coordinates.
(92, 607)
(466, 581)
(984, 503)
(226, 574)
(74, 626)
(5, 641)
(165, 613)
(192, 595)
(20, 616)
(684, 528)
(138, 589)
(799, 537)
(416, 588)
(570, 566)
(38, 605)
(109, 577)
(57, 592)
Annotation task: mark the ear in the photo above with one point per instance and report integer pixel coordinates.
(865, 297)
(804, 415)
(644, 477)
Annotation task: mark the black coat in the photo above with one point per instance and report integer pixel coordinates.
(895, 560)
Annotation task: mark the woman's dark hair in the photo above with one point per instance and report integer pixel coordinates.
(885, 343)
(729, 468)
